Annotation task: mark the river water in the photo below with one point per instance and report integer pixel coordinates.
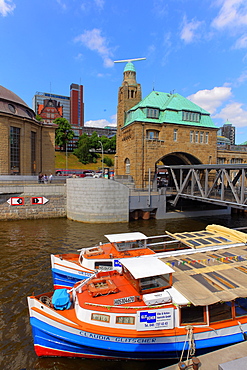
(25, 248)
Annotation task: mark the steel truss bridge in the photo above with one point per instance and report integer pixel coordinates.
(224, 185)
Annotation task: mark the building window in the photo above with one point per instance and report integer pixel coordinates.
(125, 320)
(152, 113)
(196, 136)
(191, 116)
(175, 135)
(15, 149)
(201, 136)
(206, 138)
(221, 160)
(12, 108)
(127, 166)
(236, 160)
(152, 135)
(191, 136)
(33, 152)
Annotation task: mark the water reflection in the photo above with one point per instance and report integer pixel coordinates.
(25, 248)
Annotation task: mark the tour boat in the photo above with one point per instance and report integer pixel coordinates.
(190, 302)
(69, 268)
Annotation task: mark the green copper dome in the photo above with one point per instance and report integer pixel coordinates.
(129, 67)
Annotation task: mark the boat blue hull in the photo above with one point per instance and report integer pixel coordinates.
(65, 279)
(52, 341)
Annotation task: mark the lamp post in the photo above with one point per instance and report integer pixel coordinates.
(102, 158)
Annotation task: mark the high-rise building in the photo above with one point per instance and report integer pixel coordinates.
(76, 105)
(228, 131)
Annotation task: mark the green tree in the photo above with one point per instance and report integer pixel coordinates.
(108, 161)
(83, 151)
(39, 118)
(63, 133)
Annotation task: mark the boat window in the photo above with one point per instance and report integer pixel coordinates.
(213, 240)
(100, 317)
(242, 269)
(103, 264)
(193, 242)
(192, 315)
(222, 280)
(130, 245)
(187, 235)
(125, 320)
(240, 307)
(220, 311)
(207, 283)
(153, 282)
(223, 239)
(205, 241)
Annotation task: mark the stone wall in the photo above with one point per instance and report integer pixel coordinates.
(97, 200)
(53, 208)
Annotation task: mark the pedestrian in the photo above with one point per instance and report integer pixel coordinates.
(50, 178)
(40, 178)
(45, 179)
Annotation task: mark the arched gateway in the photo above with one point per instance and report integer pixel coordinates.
(163, 127)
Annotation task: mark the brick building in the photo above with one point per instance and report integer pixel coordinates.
(159, 129)
(50, 110)
(26, 145)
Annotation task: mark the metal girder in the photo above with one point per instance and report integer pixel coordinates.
(218, 184)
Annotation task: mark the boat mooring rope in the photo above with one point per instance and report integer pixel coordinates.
(191, 343)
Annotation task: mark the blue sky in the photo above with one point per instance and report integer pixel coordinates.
(195, 48)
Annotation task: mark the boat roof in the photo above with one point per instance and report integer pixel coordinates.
(205, 278)
(125, 237)
(141, 268)
(213, 235)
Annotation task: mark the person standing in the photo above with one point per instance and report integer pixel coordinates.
(50, 178)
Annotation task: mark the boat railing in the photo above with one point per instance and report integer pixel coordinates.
(163, 243)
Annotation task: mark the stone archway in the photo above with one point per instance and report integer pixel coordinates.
(171, 159)
(179, 158)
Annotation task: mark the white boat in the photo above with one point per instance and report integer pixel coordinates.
(69, 268)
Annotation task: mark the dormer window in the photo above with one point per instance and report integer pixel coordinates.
(153, 113)
(191, 116)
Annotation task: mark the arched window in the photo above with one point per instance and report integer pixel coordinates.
(127, 166)
(152, 135)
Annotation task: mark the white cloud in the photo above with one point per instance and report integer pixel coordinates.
(234, 113)
(241, 43)
(210, 100)
(160, 8)
(62, 4)
(102, 122)
(241, 79)
(6, 7)
(188, 33)
(100, 3)
(233, 13)
(95, 42)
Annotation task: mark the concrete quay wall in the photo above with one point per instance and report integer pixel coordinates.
(54, 207)
(97, 200)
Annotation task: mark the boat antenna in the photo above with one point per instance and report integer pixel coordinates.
(128, 60)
